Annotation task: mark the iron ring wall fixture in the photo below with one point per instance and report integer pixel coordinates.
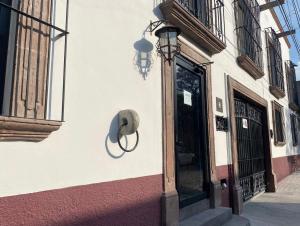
(128, 124)
(119, 142)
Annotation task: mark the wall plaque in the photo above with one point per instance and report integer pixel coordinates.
(221, 123)
(219, 104)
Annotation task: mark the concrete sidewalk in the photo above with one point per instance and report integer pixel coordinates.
(277, 209)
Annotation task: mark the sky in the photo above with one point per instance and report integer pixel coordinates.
(293, 52)
(291, 13)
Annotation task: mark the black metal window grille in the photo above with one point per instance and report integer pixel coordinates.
(275, 60)
(291, 81)
(279, 134)
(211, 14)
(279, 129)
(247, 14)
(30, 27)
(294, 129)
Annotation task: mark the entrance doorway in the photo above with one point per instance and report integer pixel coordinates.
(251, 146)
(191, 152)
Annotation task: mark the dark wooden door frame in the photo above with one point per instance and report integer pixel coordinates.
(235, 86)
(170, 202)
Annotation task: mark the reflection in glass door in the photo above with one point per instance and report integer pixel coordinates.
(190, 133)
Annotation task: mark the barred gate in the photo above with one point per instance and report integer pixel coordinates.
(250, 146)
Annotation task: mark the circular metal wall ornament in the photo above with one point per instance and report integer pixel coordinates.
(128, 124)
(120, 136)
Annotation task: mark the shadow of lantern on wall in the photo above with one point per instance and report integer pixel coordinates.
(143, 57)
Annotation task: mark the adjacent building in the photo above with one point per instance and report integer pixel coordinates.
(97, 128)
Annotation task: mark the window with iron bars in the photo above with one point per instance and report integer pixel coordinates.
(29, 69)
(202, 21)
(275, 64)
(291, 85)
(247, 14)
(278, 124)
(294, 129)
(199, 8)
(210, 13)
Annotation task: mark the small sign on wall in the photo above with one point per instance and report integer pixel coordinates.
(219, 104)
(245, 123)
(221, 123)
(187, 98)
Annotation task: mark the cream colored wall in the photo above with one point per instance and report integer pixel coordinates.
(102, 79)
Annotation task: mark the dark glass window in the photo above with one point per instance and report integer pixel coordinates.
(199, 8)
(279, 135)
(279, 131)
(294, 129)
(275, 60)
(291, 83)
(4, 36)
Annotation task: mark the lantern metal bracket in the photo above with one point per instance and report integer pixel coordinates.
(168, 48)
(154, 25)
(285, 33)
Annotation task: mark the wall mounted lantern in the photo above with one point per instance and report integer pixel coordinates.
(167, 44)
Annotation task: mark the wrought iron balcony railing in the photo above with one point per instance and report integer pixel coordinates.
(210, 14)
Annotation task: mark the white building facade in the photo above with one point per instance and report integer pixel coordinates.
(215, 127)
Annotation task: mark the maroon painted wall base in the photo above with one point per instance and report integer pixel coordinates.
(225, 172)
(282, 167)
(132, 202)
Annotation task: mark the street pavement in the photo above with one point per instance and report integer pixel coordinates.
(277, 209)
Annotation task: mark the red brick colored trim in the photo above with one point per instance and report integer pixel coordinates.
(286, 165)
(225, 172)
(125, 203)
